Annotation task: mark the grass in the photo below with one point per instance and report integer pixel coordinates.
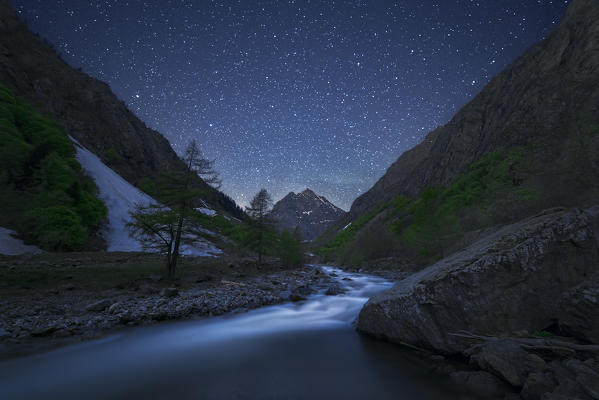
(432, 221)
(90, 272)
(347, 235)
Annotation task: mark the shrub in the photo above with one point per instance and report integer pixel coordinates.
(57, 202)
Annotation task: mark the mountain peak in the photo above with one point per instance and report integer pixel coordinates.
(307, 210)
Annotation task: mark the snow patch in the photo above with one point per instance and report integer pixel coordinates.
(346, 226)
(11, 246)
(307, 212)
(206, 211)
(120, 198)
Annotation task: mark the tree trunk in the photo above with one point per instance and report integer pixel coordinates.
(261, 230)
(175, 256)
(168, 264)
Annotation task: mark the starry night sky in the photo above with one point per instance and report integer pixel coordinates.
(293, 94)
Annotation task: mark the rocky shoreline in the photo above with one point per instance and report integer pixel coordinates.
(33, 323)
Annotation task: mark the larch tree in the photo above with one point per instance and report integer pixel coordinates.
(259, 210)
(166, 226)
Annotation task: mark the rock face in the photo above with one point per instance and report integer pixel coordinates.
(312, 213)
(550, 92)
(524, 277)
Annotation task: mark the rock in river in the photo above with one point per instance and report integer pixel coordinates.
(516, 279)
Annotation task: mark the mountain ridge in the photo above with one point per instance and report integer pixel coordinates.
(559, 59)
(308, 211)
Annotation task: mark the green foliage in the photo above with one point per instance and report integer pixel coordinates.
(435, 214)
(55, 228)
(46, 197)
(290, 248)
(348, 233)
(432, 221)
(543, 334)
(113, 156)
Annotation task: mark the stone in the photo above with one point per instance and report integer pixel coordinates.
(579, 310)
(505, 358)
(334, 290)
(478, 382)
(285, 295)
(114, 308)
(508, 281)
(586, 376)
(148, 289)
(125, 318)
(296, 297)
(537, 385)
(99, 305)
(155, 277)
(169, 292)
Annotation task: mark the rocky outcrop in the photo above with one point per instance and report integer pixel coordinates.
(311, 213)
(549, 93)
(496, 303)
(523, 278)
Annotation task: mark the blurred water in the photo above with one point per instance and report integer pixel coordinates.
(305, 350)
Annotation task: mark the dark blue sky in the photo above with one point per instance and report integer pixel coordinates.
(293, 94)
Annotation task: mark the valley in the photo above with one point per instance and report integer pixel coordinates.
(132, 267)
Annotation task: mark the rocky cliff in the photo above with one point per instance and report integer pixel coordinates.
(86, 107)
(311, 213)
(520, 304)
(524, 277)
(549, 93)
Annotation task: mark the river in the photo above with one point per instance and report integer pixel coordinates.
(304, 350)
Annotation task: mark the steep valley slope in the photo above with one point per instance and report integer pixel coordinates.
(528, 141)
(86, 107)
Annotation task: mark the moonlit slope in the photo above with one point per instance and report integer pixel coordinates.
(120, 198)
(12, 246)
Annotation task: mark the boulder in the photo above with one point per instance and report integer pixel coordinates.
(506, 359)
(480, 382)
(508, 282)
(537, 385)
(114, 308)
(296, 297)
(335, 289)
(579, 310)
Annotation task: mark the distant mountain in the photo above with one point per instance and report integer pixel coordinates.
(312, 213)
(86, 107)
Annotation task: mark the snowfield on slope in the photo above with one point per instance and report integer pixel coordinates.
(11, 246)
(120, 198)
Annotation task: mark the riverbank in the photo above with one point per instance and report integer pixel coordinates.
(50, 300)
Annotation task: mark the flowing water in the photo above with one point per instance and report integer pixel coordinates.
(305, 350)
